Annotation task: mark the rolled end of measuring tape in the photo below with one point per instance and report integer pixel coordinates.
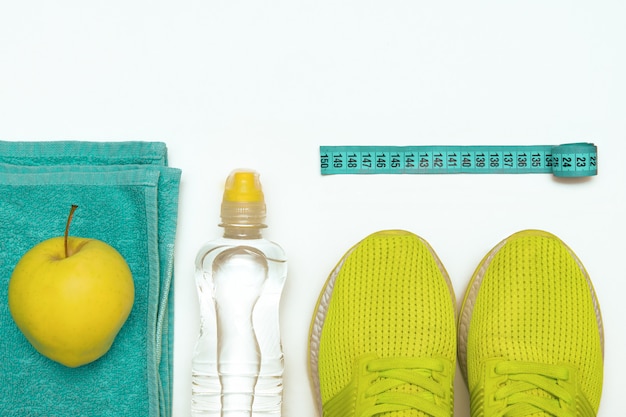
(573, 160)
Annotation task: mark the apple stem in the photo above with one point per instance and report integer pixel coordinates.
(67, 227)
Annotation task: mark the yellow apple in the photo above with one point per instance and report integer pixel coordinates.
(70, 297)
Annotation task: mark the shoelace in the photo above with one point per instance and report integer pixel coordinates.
(534, 388)
(422, 375)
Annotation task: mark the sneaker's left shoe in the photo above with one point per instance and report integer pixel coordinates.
(383, 338)
(530, 332)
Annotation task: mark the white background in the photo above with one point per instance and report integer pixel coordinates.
(261, 84)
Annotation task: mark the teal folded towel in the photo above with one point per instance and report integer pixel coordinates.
(127, 197)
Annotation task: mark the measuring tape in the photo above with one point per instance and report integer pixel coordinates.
(567, 160)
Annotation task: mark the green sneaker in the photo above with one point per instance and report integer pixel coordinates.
(383, 338)
(530, 332)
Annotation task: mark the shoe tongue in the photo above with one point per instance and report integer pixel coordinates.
(539, 393)
(414, 391)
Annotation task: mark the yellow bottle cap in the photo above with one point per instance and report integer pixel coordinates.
(243, 203)
(243, 186)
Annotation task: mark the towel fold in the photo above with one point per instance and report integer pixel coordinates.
(128, 198)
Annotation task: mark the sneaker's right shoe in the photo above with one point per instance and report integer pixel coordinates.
(530, 332)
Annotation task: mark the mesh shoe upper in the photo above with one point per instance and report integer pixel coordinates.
(530, 331)
(383, 339)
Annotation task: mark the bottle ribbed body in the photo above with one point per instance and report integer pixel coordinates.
(238, 360)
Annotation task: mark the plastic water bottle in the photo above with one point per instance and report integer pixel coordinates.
(237, 365)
